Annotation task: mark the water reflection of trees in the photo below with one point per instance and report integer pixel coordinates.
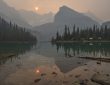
(84, 49)
(7, 49)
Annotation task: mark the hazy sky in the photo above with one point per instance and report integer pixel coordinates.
(101, 8)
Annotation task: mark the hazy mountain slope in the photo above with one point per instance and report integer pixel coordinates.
(92, 16)
(35, 19)
(65, 16)
(107, 23)
(69, 16)
(10, 14)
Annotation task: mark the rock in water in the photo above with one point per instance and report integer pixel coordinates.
(101, 79)
(37, 80)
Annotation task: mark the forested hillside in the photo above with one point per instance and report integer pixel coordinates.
(94, 33)
(13, 33)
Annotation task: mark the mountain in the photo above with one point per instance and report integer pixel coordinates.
(92, 16)
(107, 23)
(70, 17)
(35, 19)
(10, 14)
(65, 16)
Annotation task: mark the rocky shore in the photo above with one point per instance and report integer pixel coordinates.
(91, 73)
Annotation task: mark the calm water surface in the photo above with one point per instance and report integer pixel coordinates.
(31, 61)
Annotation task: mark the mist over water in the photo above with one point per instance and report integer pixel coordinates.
(64, 57)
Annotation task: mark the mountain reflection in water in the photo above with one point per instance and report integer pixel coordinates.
(52, 64)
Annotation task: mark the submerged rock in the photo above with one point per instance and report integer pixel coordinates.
(37, 80)
(82, 82)
(98, 62)
(77, 76)
(102, 79)
(65, 82)
(43, 74)
(85, 69)
(54, 73)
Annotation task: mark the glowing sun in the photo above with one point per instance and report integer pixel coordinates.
(36, 8)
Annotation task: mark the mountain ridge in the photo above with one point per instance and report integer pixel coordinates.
(65, 16)
(36, 19)
(11, 14)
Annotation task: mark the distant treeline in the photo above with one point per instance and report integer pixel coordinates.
(13, 33)
(94, 33)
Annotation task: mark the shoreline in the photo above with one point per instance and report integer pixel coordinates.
(13, 42)
(81, 42)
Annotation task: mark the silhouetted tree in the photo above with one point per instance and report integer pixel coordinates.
(94, 33)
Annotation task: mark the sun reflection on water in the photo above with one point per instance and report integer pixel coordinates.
(37, 71)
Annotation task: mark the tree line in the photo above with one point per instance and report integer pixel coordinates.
(13, 33)
(94, 33)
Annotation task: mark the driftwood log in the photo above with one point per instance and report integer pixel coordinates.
(97, 59)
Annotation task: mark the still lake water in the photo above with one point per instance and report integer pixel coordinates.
(31, 60)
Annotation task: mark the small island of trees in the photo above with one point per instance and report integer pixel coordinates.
(93, 34)
(13, 33)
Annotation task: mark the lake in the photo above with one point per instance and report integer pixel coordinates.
(51, 64)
